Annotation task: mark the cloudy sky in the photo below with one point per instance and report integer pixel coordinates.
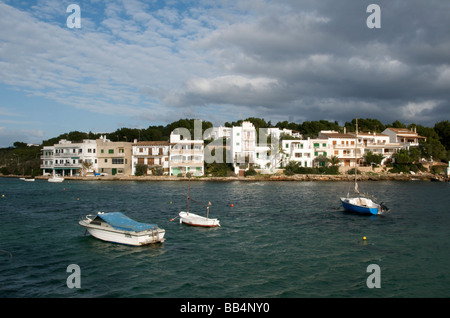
(136, 63)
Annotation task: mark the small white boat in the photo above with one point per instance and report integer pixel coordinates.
(56, 179)
(116, 227)
(27, 179)
(195, 219)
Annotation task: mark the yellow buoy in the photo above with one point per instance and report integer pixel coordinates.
(364, 238)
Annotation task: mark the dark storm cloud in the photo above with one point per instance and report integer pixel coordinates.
(319, 60)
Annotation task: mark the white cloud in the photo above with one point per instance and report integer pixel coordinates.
(299, 59)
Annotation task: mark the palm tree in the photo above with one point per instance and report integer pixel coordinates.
(334, 161)
(87, 165)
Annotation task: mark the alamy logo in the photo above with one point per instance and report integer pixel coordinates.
(74, 279)
(374, 279)
(373, 20)
(73, 20)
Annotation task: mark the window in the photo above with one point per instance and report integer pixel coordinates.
(110, 150)
(287, 145)
(117, 161)
(102, 150)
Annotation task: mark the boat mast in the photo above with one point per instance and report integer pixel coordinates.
(189, 190)
(356, 157)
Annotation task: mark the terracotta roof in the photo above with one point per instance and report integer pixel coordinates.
(405, 132)
(337, 135)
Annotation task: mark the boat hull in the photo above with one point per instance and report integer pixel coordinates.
(55, 179)
(124, 237)
(197, 220)
(356, 205)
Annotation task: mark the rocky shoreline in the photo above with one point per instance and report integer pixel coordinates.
(280, 177)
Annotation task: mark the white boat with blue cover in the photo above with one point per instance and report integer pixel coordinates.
(116, 227)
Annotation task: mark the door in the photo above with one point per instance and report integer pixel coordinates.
(114, 171)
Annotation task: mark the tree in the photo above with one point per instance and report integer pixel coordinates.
(86, 166)
(373, 159)
(141, 169)
(442, 129)
(321, 160)
(334, 161)
(402, 157)
(367, 124)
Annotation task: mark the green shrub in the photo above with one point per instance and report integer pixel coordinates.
(250, 172)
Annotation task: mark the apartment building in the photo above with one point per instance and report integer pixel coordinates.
(114, 157)
(378, 143)
(403, 136)
(343, 146)
(153, 154)
(301, 151)
(68, 159)
(185, 156)
(243, 145)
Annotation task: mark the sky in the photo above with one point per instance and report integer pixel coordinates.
(139, 63)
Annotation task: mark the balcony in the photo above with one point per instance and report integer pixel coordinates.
(187, 152)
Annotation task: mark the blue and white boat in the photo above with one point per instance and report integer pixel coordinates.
(116, 227)
(361, 204)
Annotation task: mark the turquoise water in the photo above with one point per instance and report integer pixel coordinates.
(279, 240)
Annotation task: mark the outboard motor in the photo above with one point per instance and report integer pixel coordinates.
(384, 208)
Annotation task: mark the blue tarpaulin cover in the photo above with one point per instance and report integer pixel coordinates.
(120, 221)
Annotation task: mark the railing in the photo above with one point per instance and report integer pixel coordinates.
(186, 152)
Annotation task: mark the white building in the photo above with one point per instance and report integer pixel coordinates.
(186, 156)
(301, 151)
(67, 158)
(378, 144)
(344, 147)
(217, 133)
(153, 154)
(243, 145)
(407, 138)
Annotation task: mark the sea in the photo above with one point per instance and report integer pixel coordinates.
(278, 239)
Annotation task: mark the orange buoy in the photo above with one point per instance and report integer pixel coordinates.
(232, 205)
